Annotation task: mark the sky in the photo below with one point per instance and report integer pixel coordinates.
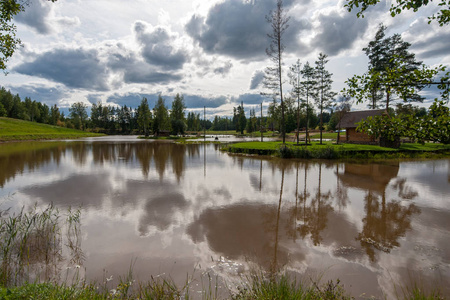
(212, 52)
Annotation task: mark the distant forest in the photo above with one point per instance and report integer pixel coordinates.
(143, 120)
(126, 120)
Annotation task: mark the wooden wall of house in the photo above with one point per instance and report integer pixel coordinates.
(358, 137)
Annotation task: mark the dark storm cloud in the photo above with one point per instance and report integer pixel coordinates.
(257, 78)
(40, 93)
(239, 29)
(132, 100)
(76, 68)
(191, 101)
(338, 32)
(194, 101)
(35, 16)
(157, 47)
(144, 75)
(248, 99)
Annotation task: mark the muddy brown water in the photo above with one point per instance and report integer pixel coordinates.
(191, 210)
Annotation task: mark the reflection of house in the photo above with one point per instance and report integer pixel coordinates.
(349, 121)
(369, 177)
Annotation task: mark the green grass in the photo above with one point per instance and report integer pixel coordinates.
(329, 150)
(19, 130)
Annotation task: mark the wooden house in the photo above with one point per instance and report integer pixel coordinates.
(348, 122)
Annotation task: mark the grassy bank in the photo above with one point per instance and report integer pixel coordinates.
(19, 130)
(334, 151)
(253, 288)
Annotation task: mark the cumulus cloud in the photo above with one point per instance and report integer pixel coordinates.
(158, 47)
(133, 70)
(239, 29)
(75, 68)
(257, 78)
(36, 16)
(424, 40)
(205, 65)
(338, 32)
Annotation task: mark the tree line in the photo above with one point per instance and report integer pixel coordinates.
(106, 118)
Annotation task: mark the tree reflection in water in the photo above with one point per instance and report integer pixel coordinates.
(256, 214)
(384, 223)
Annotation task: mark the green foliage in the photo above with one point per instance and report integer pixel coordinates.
(79, 115)
(144, 117)
(397, 6)
(161, 116)
(334, 151)
(435, 126)
(2, 110)
(177, 115)
(285, 287)
(393, 71)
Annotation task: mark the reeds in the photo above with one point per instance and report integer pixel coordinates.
(31, 244)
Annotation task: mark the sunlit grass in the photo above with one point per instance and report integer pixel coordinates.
(331, 150)
(19, 130)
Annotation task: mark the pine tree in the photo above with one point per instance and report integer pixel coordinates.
(144, 116)
(177, 118)
(324, 97)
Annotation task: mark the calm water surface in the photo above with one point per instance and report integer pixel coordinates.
(174, 210)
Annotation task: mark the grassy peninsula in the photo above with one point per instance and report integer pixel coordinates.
(19, 130)
(330, 150)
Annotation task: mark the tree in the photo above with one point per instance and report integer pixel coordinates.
(295, 72)
(2, 110)
(79, 115)
(144, 116)
(376, 52)
(324, 97)
(307, 91)
(54, 115)
(161, 116)
(8, 39)
(397, 6)
(393, 71)
(177, 118)
(241, 119)
(273, 78)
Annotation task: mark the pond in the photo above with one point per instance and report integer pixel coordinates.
(166, 209)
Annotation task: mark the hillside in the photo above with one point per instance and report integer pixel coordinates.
(19, 130)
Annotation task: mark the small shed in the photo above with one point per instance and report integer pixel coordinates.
(349, 120)
(163, 133)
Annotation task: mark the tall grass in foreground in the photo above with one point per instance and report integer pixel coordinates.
(31, 244)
